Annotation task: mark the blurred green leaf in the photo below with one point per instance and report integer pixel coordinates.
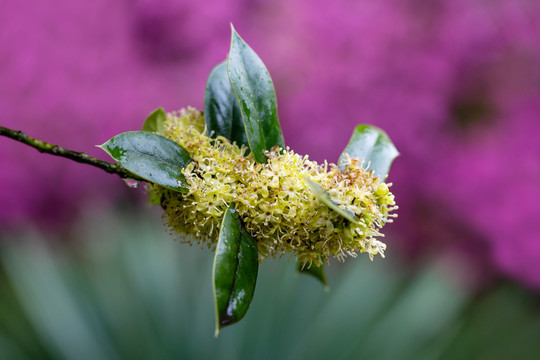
(221, 112)
(374, 146)
(155, 121)
(325, 198)
(503, 323)
(235, 270)
(150, 156)
(56, 311)
(130, 291)
(256, 98)
(315, 271)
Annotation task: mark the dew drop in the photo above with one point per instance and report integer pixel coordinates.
(133, 184)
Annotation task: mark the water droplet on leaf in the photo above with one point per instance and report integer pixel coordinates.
(132, 183)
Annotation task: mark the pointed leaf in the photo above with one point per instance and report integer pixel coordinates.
(315, 271)
(325, 198)
(150, 156)
(221, 112)
(235, 270)
(155, 121)
(374, 146)
(256, 98)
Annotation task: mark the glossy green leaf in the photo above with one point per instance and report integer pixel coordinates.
(221, 112)
(325, 198)
(256, 98)
(150, 156)
(374, 146)
(235, 270)
(155, 121)
(315, 271)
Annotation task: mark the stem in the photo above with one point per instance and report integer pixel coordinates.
(80, 157)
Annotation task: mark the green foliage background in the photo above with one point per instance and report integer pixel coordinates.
(125, 290)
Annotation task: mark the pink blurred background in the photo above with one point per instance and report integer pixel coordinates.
(455, 83)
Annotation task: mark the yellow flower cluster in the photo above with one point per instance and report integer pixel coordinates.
(275, 203)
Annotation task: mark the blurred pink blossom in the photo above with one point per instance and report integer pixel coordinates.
(455, 83)
(78, 73)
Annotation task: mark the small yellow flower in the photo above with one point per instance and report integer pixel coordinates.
(276, 205)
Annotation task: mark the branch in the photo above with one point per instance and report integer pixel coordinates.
(80, 157)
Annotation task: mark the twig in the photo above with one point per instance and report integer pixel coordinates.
(80, 157)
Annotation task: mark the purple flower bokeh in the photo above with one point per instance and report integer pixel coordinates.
(455, 83)
(76, 74)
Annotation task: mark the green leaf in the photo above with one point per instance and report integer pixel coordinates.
(221, 112)
(155, 121)
(256, 98)
(374, 146)
(150, 156)
(325, 198)
(235, 270)
(315, 271)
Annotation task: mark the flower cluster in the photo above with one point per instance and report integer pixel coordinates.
(275, 203)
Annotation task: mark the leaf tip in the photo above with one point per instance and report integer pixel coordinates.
(103, 146)
(235, 34)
